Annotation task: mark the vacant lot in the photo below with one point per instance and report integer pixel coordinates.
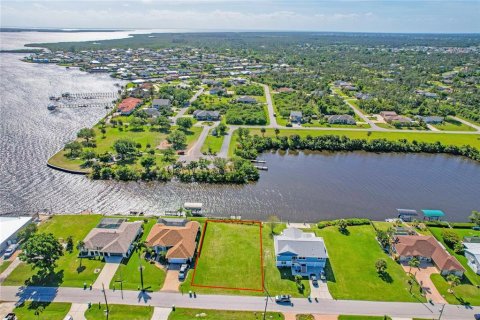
(351, 270)
(230, 257)
(453, 125)
(119, 312)
(46, 310)
(188, 314)
(71, 271)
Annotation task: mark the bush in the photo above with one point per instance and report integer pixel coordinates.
(350, 222)
(451, 238)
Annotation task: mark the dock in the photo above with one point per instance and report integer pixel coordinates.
(262, 168)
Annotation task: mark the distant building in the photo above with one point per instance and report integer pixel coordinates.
(393, 117)
(246, 99)
(152, 112)
(472, 253)
(303, 252)
(341, 119)
(205, 115)
(296, 117)
(128, 105)
(9, 228)
(161, 103)
(218, 90)
(431, 119)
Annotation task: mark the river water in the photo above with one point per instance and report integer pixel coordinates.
(298, 187)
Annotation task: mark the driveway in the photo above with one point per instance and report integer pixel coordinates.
(161, 313)
(422, 275)
(171, 284)
(6, 308)
(320, 291)
(106, 275)
(77, 311)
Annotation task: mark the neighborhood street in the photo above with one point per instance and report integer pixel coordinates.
(248, 303)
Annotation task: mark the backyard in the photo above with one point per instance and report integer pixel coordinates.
(351, 271)
(188, 314)
(219, 266)
(69, 272)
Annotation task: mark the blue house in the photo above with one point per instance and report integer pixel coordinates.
(303, 252)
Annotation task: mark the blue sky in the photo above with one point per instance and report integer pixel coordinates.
(339, 15)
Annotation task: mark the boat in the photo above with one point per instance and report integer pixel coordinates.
(52, 107)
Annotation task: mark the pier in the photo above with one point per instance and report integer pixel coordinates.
(85, 95)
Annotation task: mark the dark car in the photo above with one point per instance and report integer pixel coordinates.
(283, 298)
(314, 280)
(477, 316)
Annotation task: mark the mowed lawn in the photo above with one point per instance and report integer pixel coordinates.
(453, 125)
(68, 272)
(51, 311)
(129, 273)
(230, 256)
(212, 144)
(189, 314)
(351, 270)
(119, 312)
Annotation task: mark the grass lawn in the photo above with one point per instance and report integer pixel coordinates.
(451, 124)
(457, 139)
(437, 233)
(304, 317)
(351, 272)
(153, 276)
(4, 265)
(346, 317)
(212, 144)
(327, 125)
(60, 160)
(119, 312)
(463, 294)
(51, 311)
(382, 225)
(189, 314)
(68, 272)
(219, 265)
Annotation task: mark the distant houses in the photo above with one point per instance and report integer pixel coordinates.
(341, 119)
(296, 117)
(472, 253)
(176, 238)
(431, 119)
(111, 238)
(393, 118)
(205, 115)
(128, 105)
(426, 248)
(303, 252)
(246, 99)
(161, 104)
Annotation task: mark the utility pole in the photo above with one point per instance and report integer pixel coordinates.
(441, 311)
(267, 296)
(105, 296)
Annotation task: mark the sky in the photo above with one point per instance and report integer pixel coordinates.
(437, 16)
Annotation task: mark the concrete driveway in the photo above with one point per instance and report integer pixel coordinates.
(320, 291)
(422, 274)
(6, 308)
(171, 284)
(77, 311)
(106, 275)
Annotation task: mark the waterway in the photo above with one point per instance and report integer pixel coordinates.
(298, 187)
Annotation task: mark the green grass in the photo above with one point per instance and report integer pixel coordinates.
(128, 272)
(119, 312)
(453, 125)
(4, 265)
(463, 293)
(437, 233)
(457, 139)
(382, 225)
(212, 143)
(189, 314)
(351, 272)
(316, 124)
(51, 311)
(304, 317)
(346, 317)
(68, 272)
(230, 256)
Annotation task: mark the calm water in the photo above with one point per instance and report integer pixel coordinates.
(297, 187)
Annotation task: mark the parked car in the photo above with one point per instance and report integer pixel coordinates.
(314, 279)
(10, 250)
(477, 316)
(182, 274)
(282, 298)
(10, 316)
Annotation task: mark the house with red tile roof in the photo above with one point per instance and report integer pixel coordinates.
(427, 248)
(129, 104)
(177, 238)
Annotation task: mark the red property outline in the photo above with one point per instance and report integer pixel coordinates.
(201, 247)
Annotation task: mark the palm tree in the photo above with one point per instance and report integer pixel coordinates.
(277, 131)
(454, 281)
(80, 247)
(263, 130)
(413, 263)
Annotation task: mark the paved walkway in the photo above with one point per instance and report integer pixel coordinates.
(467, 123)
(247, 303)
(106, 275)
(290, 316)
(9, 269)
(77, 311)
(171, 283)
(6, 308)
(161, 313)
(422, 275)
(325, 316)
(298, 225)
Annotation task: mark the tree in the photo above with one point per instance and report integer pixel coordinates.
(453, 281)
(381, 265)
(86, 133)
(27, 232)
(185, 123)
(263, 130)
(178, 139)
(475, 217)
(75, 148)
(222, 129)
(342, 225)
(69, 246)
(277, 132)
(39, 310)
(80, 247)
(125, 148)
(169, 155)
(413, 263)
(272, 221)
(137, 124)
(41, 251)
(220, 164)
(163, 123)
(383, 238)
(147, 163)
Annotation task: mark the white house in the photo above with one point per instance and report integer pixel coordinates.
(9, 228)
(472, 253)
(303, 252)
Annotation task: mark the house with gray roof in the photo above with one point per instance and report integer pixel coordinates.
(296, 116)
(161, 103)
(341, 119)
(303, 252)
(112, 238)
(206, 115)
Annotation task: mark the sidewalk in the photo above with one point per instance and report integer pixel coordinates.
(106, 275)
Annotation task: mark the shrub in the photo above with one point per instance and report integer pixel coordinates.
(350, 222)
(451, 238)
